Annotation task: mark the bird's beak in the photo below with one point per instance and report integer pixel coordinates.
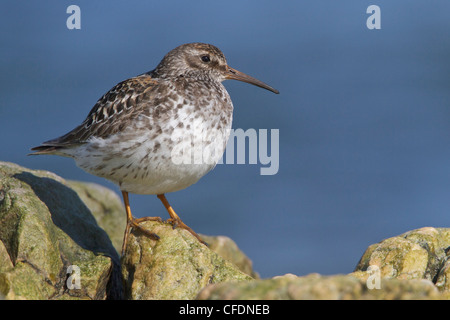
(237, 75)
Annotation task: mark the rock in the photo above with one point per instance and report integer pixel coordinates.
(318, 287)
(49, 224)
(106, 207)
(44, 230)
(414, 265)
(227, 249)
(417, 254)
(175, 267)
(443, 278)
(52, 229)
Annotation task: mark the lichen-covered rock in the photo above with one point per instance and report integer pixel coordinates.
(414, 265)
(49, 239)
(417, 254)
(48, 224)
(51, 230)
(175, 267)
(317, 287)
(443, 278)
(227, 249)
(106, 207)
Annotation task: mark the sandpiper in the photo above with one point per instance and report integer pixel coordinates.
(143, 133)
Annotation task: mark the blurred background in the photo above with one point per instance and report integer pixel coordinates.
(363, 115)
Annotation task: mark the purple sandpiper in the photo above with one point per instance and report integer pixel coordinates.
(158, 132)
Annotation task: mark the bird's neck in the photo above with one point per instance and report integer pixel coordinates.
(194, 75)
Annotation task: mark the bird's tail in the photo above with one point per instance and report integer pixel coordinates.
(55, 147)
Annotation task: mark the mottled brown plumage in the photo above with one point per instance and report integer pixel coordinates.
(158, 132)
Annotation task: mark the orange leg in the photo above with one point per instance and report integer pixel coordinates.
(175, 219)
(132, 222)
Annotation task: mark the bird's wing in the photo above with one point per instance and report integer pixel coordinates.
(108, 116)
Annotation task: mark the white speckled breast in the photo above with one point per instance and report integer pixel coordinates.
(164, 150)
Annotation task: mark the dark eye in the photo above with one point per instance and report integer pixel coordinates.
(206, 58)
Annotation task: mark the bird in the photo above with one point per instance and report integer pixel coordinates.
(158, 132)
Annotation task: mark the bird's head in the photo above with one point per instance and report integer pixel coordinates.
(202, 61)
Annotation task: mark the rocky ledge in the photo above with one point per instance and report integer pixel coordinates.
(59, 240)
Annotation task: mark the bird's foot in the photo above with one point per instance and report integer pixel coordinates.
(177, 223)
(135, 224)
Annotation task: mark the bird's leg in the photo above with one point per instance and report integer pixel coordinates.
(175, 219)
(132, 222)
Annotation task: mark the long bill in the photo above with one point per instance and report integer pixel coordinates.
(234, 74)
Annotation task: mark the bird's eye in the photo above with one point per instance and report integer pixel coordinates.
(205, 58)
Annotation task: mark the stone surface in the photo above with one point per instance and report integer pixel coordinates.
(175, 267)
(414, 265)
(44, 229)
(106, 207)
(317, 287)
(48, 224)
(443, 278)
(417, 254)
(228, 249)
